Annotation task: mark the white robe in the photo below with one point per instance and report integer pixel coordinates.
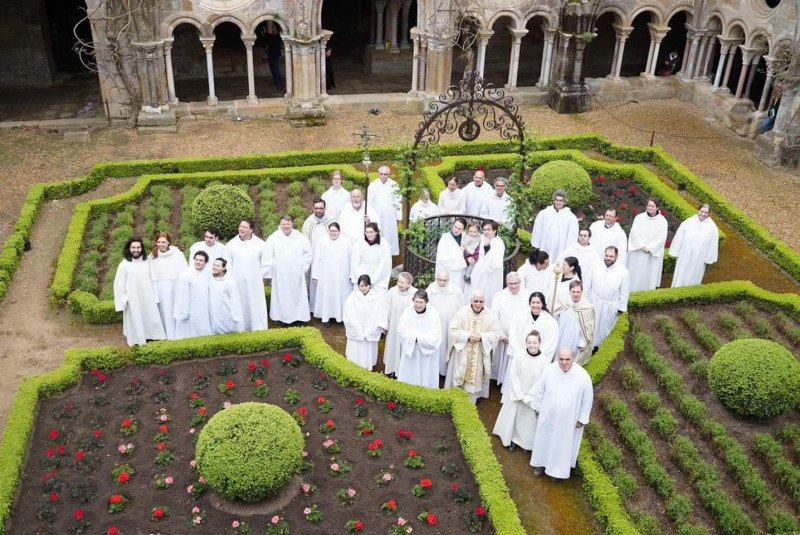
(421, 210)
(496, 208)
(164, 274)
(535, 280)
(447, 301)
(645, 268)
(505, 305)
(562, 400)
(563, 288)
(450, 258)
(385, 198)
(487, 275)
(374, 260)
(452, 202)
(286, 260)
(315, 230)
(522, 324)
(351, 222)
(695, 244)
(245, 267)
(331, 268)
(517, 422)
(218, 250)
(608, 291)
(469, 364)
(135, 298)
(420, 339)
(335, 200)
(364, 321)
(225, 304)
(554, 230)
(192, 309)
(474, 196)
(576, 324)
(395, 303)
(586, 257)
(603, 237)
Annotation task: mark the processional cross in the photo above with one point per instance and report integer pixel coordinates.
(365, 135)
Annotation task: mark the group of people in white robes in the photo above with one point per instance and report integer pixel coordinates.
(476, 199)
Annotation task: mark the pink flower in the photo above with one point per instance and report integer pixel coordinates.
(192, 463)
(201, 479)
(189, 489)
(235, 524)
(387, 477)
(305, 454)
(327, 444)
(226, 405)
(335, 467)
(191, 431)
(164, 417)
(351, 492)
(195, 510)
(307, 511)
(121, 448)
(401, 521)
(168, 480)
(275, 519)
(306, 487)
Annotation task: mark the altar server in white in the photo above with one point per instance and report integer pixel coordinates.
(475, 192)
(575, 316)
(354, 217)
(516, 423)
(167, 264)
(646, 248)
(398, 299)
(192, 309)
(244, 264)
(364, 323)
(497, 205)
(135, 298)
(555, 227)
(420, 332)
(570, 270)
(211, 246)
(424, 207)
(487, 275)
(224, 300)
(371, 256)
(695, 244)
(286, 259)
(452, 200)
(506, 304)
(330, 271)
(536, 273)
(315, 228)
(384, 196)
(447, 299)
(336, 197)
(608, 290)
(450, 255)
(537, 318)
(607, 232)
(583, 251)
(562, 400)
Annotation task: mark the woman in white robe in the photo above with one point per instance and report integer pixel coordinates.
(424, 207)
(450, 255)
(487, 275)
(420, 332)
(536, 274)
(516, 423)
(192, 312)
(570, 271)
(695, 244)
(330, 270)
(224, 300)
(398, 299)
(167, 264)
(364, 322)
(452, 200)
(135, 298)
(535, 318)
(646, 248)
(372, 256)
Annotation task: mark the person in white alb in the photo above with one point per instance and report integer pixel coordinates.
(583, 251)
(536, 273)
(354, 217)
(505, 304)
(336, 197)
(424, 207)
(487, 276)
(475, 192)
(555, 227)
(607, 232)
(497, 205)
(575, 315)
(608, 290)
(330, 271)
(398, 298)
(315, 228)
(364, 323)
(167, 264)
(450, 255)
(696, 244)
(384, 197)
(420, 333)
(286, 259)
(646, 248)
(211, 246)
(371, 256)
(244, 265)
(223, 300)
(452, 200)
(192, 310)
(446, 297)
(135, 298)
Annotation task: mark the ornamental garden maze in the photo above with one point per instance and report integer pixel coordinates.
(695, 427)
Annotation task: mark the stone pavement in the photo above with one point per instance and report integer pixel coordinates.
(74, 97)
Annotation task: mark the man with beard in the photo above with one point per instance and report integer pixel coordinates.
(608, 289)
(135, 298)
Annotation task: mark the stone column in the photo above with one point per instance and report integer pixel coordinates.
(689, 64)
(686, 46)
(747, 56)
(752, 75)
(652, 47)
(483, 41)
(380, 9)
(724, 46)
(727, 76)
(547, 57)
(404, 28)
(372, 23)
(440, 62)
(656, 36)
(287, 48)
(423, 63)
(323, 76)
(414, 62)
(305, 109)
(394, 12)
(701, 56)
(562, 67)
(712, 44)
(622, 32)
(762, 105)
(251, 76)
(171, 97)
(208, 44)
(513, 64)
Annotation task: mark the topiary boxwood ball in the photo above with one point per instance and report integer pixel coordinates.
(249, 451)
(560, 174)
(222, 206)
(755, 378)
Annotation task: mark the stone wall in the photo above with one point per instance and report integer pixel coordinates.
(25, 57)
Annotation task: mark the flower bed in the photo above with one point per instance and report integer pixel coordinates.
(139, 462)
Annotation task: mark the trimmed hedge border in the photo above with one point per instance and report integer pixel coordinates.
(475, 442)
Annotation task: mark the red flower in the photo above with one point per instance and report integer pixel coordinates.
(259, 382)
(54, 434)
(264, 362)
(101, 377)
(287, 357)
(431, 519)
(378, 442)
(123, 477)
(251, 367)
(360, 401)
(163, 428)
(623, 206)
(425, 483)
(158, 513)
(601, 178)
(320, 400)
(409, 434)
(455, 486)
(193, 395)
(202, 410)
(126, 423)
(412, 453)
(617, 194)
(663, 212)
(359, 525)
(45, 477)
(391, 405)
(229, 384)
(372, 446)
(80, 455)
(78, 514)
(322, 375)
(391, 504)
(667, 243)
(199, 375)
(53, 472)
(54, 497)
(302, 410)
(115, 498)
(329, 423)
(401, 433)
(134, 382)
(112, 531)
(97, 433)
(618, 218)
(95, 371)
(631, 190)
(635, 211)
(480, 511)
(163, 372)
(161, 445)
(60, 448)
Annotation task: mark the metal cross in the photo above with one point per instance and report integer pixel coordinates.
(364, 144)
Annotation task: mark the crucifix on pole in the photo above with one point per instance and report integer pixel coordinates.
(365, 135)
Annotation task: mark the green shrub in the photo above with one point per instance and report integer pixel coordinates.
(238, 461)
(625, 483)
(564, 175)
(223, 206)
(630, 378)
(664, 424)
(755, 378)
(649, 402)
(679, 509)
